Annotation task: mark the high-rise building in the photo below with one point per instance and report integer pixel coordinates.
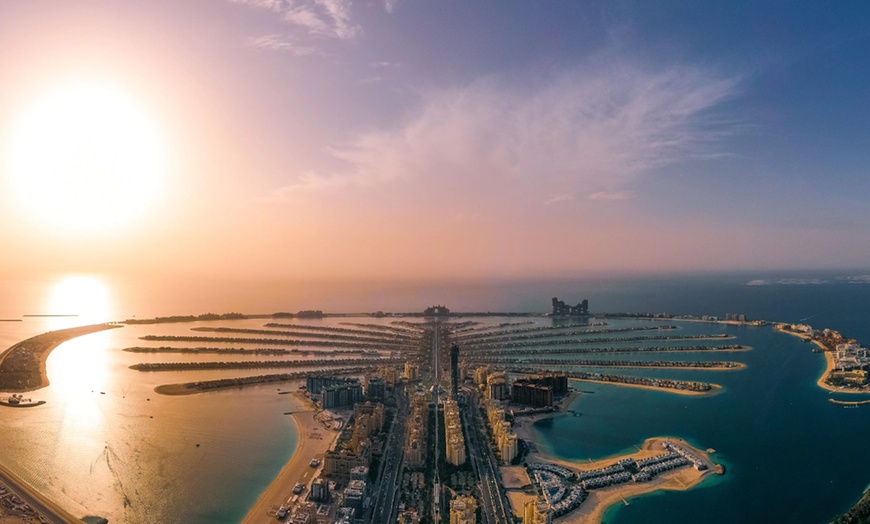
(454, 369)
(373, 413)
(508, 446)
(376, 388)
(560, 309)
(409, 516)
(412, 371)
(480, 375)
(462, 510)
(359, 473)
(415, 443)
(319, 490)
(535, 512)
(337, 464)
(531, 393)
(390, 374)
(354, 494)
(341, 395)
(497, 386)
(453, 438)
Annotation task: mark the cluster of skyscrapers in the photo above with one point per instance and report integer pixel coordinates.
(454, 441)
(506, 440)
(334, 392)
(418, 430)
(538, 390)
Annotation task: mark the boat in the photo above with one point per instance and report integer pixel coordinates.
(314, 463)
(18, 401)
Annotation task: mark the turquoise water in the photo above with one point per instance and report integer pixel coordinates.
(790, 455)
(106, 444)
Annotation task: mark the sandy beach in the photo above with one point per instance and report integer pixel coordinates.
(593, 508)
(47, 508)
(313, 442)
(829, 364)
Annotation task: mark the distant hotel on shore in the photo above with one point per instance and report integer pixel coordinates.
(561, 309)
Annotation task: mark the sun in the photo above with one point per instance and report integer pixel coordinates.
(86, 157)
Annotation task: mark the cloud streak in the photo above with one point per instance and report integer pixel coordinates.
(283, 44)
(588, 134)
(322, 18)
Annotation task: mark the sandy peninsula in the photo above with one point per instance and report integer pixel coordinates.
(22, 366)
(593, 508)
(313, 441)
(714, 388)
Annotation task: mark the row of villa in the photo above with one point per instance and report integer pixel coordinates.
(565, 490)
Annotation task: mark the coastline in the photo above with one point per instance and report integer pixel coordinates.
(313, 440)
(31, 355)
(737, 366)
(600, 500)
(177, 389)
(829, 364)
(38, 502)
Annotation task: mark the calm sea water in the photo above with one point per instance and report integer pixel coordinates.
(791, 455)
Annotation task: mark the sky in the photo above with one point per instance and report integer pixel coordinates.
(330, 139)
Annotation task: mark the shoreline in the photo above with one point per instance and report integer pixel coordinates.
(600, 500)
(829, 363)
(38, 502)
(312, 441)
(30, 356)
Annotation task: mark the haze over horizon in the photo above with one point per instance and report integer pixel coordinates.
(329, 139)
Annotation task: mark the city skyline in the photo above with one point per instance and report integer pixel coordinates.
(382, 140)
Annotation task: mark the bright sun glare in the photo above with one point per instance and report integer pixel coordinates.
(86, 158)
(82, 295)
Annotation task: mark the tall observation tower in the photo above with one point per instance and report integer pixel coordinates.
(454, 369)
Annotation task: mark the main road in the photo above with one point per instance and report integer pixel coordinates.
(386, 500)
(436, 397)
(483, 463)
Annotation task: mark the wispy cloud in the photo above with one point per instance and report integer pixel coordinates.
(283, 44)
(390, 5)
(272, 5)
(324, 18)
(374, 79)
(609, 196)
(592, 132)
(565, 197)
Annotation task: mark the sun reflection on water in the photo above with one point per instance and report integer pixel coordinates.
(78, 369)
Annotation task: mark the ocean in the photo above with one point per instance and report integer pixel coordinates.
(106, 444)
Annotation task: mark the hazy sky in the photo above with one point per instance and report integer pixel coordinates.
(409, 138)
